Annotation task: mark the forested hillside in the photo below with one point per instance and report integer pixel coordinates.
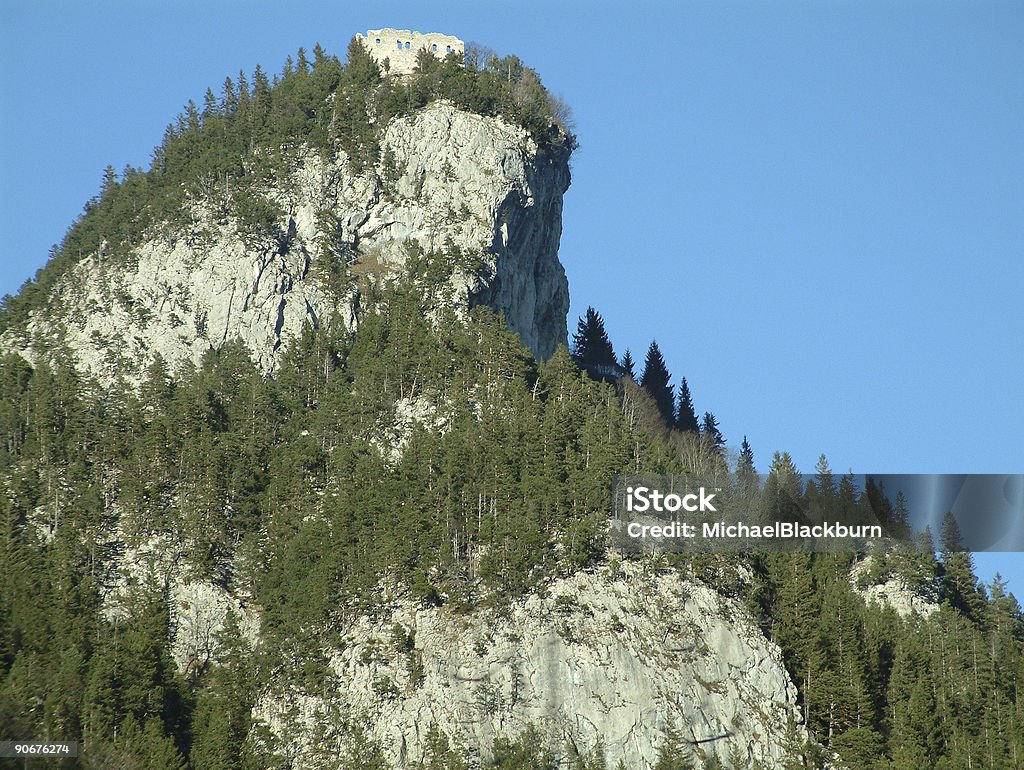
(280, 492)
(312, 497)
(243, 137)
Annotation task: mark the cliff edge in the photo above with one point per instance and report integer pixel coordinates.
(474, 193)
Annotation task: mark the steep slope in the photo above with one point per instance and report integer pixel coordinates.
(615, 657)
(368, 528)
(473, 190)
(246, 527)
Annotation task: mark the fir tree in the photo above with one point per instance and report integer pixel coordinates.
(960, 585)
(711, 433)
(686, 417)
(655, 380)
(746, 461)
(746, 472)
(591, 348)
(627, 365)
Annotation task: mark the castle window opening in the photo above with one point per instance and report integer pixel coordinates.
(378, 41)
(434, 47)
(408, 44)
(447, 49)
(399, 45)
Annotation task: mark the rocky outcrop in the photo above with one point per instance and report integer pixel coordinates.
(199, 610)
(618, 657)
(895, 592)
(476, 189)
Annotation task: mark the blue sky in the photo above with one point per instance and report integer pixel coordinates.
(816, 208)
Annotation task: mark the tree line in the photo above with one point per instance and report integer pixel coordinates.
(284, 490)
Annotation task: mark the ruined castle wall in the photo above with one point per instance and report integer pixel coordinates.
(400, 46)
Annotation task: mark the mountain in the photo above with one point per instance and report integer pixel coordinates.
(476, 189)
(297, 472)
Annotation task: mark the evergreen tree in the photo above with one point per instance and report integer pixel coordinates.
(439, 754)
(627, 365)
(822, 494)
(673, 754)
(746, 459)
(655, 380)
(286, 490)
(591, 348)
(824, 479)
(686, 417)
(959, 583)
(711, 433)
(527, 752)
(746, 474)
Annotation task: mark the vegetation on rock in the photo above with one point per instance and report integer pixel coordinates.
(300, 494)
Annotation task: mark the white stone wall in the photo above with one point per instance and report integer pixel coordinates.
(400, 46)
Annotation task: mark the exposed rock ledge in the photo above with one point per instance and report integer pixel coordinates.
(895, 592)
(447, 178)
(610, 657)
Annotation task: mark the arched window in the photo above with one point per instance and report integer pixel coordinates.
(434, 48)
(447, 49)
(399, 45)
(408, 44)
(378, 41)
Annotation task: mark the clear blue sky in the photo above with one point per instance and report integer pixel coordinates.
(816, 208)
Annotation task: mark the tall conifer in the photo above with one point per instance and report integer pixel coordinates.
(591, 348)
(711, 432)
(686, 417)
(747, 456)
(628, 365)
(655, 380)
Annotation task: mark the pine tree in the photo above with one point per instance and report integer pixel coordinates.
(746, 473)
(109, 184)
(960, 585)
(591, 348)
(438, 753)
(655, 380)
(527, 752)
(628, 365)
(686, 417)
(746, 461)
(228, 97)
(822, 493)
(210, 105)
(825, 480)
(711, 433)
(674, 753)
(901, 516)
(783, 496)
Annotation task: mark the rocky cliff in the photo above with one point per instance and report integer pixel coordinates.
(475, 189)
(617, 657)
(621, 656)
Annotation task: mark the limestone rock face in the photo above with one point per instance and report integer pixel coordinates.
(449, 182)
(199, 610)
(895, 592)
(616, 656)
